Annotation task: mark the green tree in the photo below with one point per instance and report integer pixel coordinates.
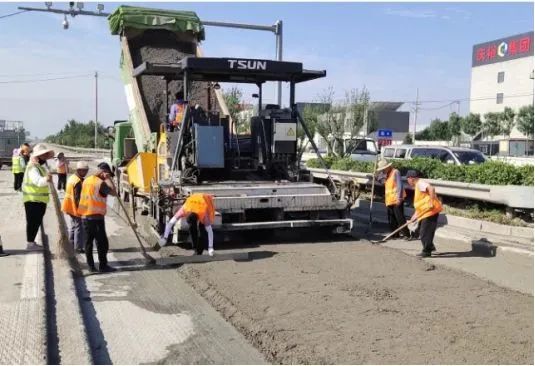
(344, 119)
(408, 139)
(491, 124)
(80, 134)
(471, 124)
(454, 126)
(507, 121)
(439, 130)
(233, 99)
(524, 120)
(328, 125)
(310, 116)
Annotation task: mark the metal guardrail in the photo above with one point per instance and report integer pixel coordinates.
(509, 195)
(79, 149)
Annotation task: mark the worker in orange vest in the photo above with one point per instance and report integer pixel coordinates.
(176, 114)
(92, 210)
(426, 210)
(62, 168)
(199, 211)
(70, 204)
(394, 197)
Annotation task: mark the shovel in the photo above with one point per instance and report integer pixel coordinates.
(398, 229)
(392, 233)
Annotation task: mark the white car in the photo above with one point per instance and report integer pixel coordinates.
(448, 155)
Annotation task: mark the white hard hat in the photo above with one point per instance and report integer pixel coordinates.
(82, 165)
(41, 149)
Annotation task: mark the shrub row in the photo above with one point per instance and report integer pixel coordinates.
(490, 172)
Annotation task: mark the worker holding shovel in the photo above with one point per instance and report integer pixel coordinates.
(426, 210)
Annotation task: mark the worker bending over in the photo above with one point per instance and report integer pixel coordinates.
(70, 204)
(394, 197)
(35, 192)
(426, 210)
(199, 212)
(92, 209)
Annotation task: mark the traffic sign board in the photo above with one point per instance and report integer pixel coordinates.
(384, 133)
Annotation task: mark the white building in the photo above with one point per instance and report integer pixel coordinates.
(502, 75)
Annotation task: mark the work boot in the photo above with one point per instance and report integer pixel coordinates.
(92, 269)
(106, 269)
(433, 248)
(424, 254)
(33, 246)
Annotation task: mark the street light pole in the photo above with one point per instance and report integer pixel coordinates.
(96, 107)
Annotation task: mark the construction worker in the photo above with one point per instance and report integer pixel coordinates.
(20, 158)
(394, 197)
(199, 212)
(426, 210)
(177, 111)
(62, 168)
(35, 192)
(17, 169)
(92, 210)
(70, 204)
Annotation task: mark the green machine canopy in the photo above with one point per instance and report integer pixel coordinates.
(133, 17)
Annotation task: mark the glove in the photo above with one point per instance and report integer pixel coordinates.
(162, 242)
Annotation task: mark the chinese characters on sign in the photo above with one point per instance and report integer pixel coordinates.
(504, 49)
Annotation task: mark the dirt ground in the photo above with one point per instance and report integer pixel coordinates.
(350, 302)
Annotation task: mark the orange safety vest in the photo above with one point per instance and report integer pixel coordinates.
(391, 196)
(69, 205)
(91, 202)
(202, 205)
(62, 167)
(179, 115)
(422, 203)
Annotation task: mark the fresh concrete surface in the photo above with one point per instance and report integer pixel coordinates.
(22, 289)
(511, 268)
(150, 315)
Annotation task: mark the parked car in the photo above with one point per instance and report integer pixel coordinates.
(448, 155)
(361, 149)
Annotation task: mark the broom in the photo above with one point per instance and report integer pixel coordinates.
(63, 248)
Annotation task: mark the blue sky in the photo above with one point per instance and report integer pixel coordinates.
(391, 48)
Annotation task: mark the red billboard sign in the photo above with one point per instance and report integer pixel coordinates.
(504, 49)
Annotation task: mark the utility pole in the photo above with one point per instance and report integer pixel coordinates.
(96, 107)
(415, 117)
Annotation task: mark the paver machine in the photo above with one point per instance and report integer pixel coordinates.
(254, 177)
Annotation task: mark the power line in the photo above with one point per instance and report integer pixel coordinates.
(63, 73)
(40, 80)
(12, 14)
(467, 99)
